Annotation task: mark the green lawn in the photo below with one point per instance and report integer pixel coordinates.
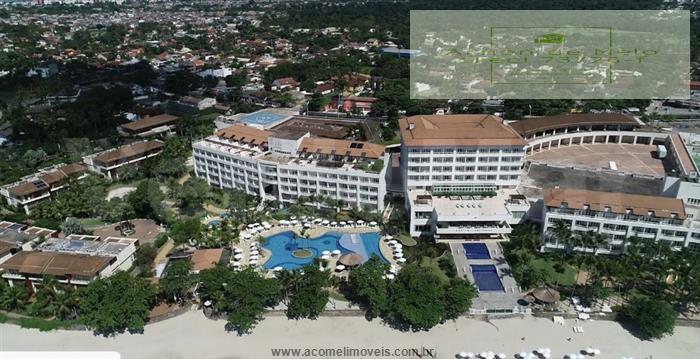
(432, 263)
(406, 240)
(566, 279)
(91, 222)
(393, 141)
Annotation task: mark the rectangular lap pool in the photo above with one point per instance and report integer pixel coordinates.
(486, 278)
(476, 251)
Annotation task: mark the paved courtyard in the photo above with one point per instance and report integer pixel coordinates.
(539, 176)
(631, 159)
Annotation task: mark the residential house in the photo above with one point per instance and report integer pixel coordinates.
(149, 126)
(41, 186)
(107, 163)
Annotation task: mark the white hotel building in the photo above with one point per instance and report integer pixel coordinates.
(448, 163)
(618, 216)
(286, 165)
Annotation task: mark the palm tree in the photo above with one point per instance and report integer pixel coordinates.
(66, 304)
(288, 280)
(598, 240)
(15, 298)
(562, 232)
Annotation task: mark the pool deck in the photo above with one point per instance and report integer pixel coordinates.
(313, 232)
(489, 299)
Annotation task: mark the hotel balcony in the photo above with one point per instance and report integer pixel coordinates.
(487, 229)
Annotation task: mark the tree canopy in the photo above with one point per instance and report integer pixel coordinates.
(654, 318)
(244, 296)
(117, 304)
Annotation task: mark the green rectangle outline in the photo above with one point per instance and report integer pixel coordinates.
(549, 27)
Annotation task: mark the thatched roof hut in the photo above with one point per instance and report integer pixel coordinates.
(544, 295)
(351, 259)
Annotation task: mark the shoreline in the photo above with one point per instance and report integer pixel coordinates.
(191, 335)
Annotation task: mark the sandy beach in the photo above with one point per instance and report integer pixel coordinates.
(193, 336)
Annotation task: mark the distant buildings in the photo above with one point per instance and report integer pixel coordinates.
(40, 186)
(351, 104)
(286, 83)
(108, 162)
(149, 126)
(197, 103)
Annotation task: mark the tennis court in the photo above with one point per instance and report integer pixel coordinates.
(476, 251)
(486, 278)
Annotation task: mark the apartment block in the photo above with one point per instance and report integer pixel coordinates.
(618, 216)
(108, 162)
(285, 165)
(41, 186)
(74, 260)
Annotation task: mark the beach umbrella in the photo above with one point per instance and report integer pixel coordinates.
(336, 252)
(360, 222)
(398, 245)
(483, 354)
(373, 223)
(293, 217)
(398, 255)
(389, 238)
(596, 351)
(251, 226)
(253, 262)
(236, 264)
(307, 225)
(247, 236)
(390, 276)
(342, 223)
(580, 356)
(340, 267)
(501, 355)
(267, 226)
(237, 250)
(277, 269)
(325, 222)
(254, 252)
(334, 224)
(326, 256)
(401, 260)
(393, 241)
(326, 252)
(490, 355)
(522, 354)
(295, 222)
(462, 355)
(398, 250)
(470, 355)
(546, 355)
(237, 256)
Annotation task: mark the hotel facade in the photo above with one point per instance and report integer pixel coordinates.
(286, 165)
(459, 174)
(618, 216)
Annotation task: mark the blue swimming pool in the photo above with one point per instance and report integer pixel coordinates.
(476, 251)
(262, 118)
(282, 245)
(486, 278)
